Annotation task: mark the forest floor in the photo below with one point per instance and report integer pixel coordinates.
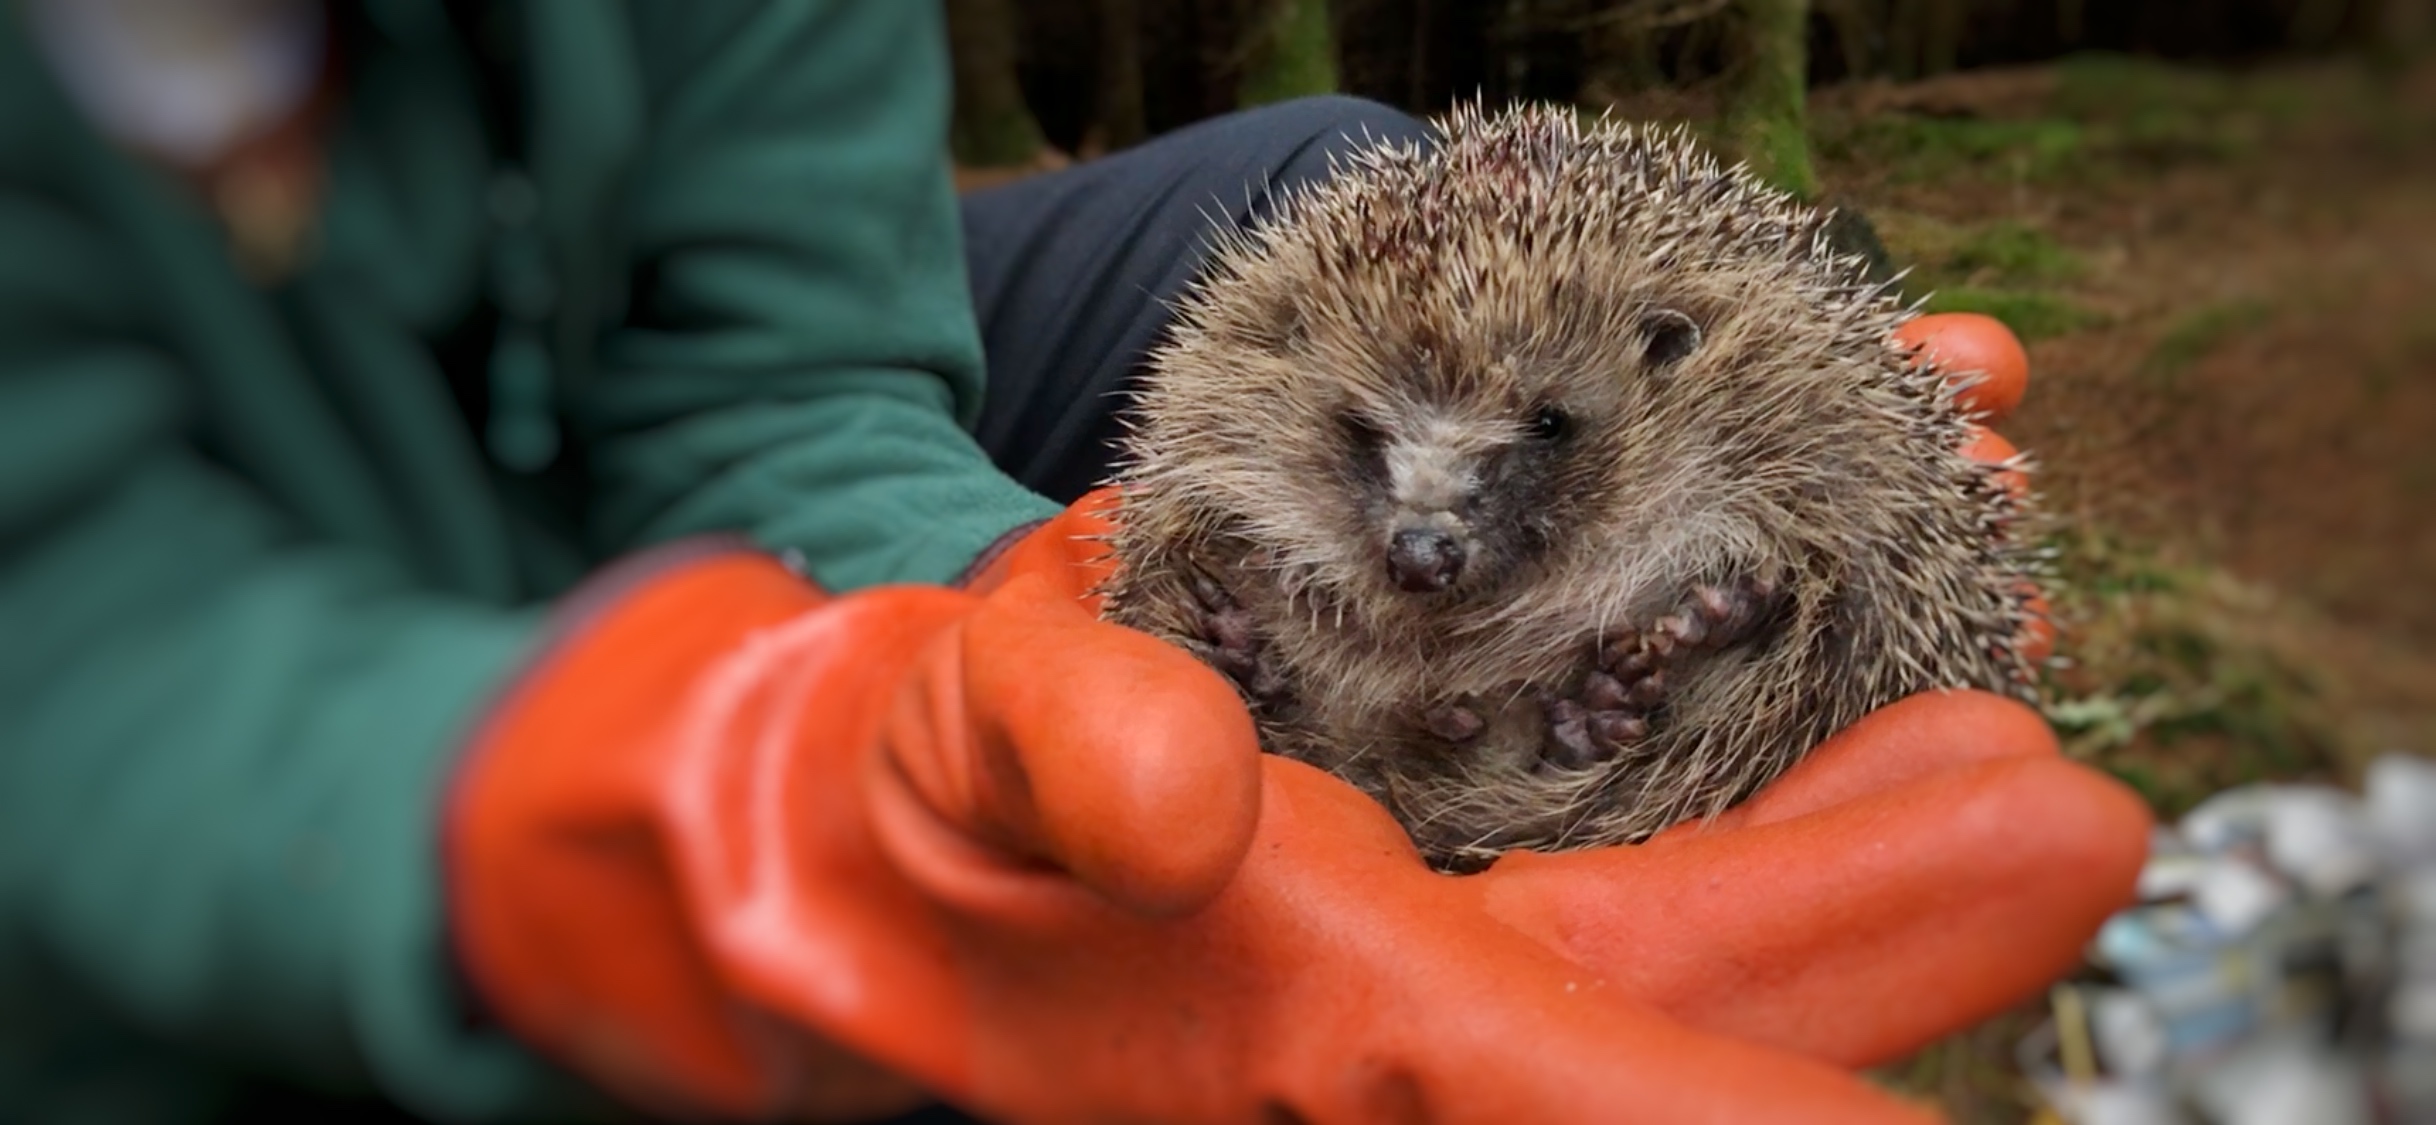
(2228, 287)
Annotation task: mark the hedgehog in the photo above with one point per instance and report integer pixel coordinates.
(1555, 484)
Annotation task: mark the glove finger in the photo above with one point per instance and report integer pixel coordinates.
(1990, 448)
(1056, 740)
(1982, 355)
(1425, 1008)
(1895, 745)
(1860, 931)
(1514, 1050)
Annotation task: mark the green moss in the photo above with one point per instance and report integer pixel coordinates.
(2103, 86)
(2109, 117)
(1767, 100)
(1925, 149)
(2197, 334)
(2010, 270)
(2149, 113)
(2014, 253)
(2176, 685)
(1778, 151)
(2031, 315)
(1293, 56)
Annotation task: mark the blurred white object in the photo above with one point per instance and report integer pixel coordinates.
(2284, 1080)
(2280, 968)
(2128, 1103)
(2320, 836)
(2227, 820)
(2130, 1033)
(184, 80)
(2413, 1010)
(2402, 806)
(2094, 1101)
(2236, 896)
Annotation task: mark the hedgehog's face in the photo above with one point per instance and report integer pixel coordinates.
(1464, 478)
(1435, 486)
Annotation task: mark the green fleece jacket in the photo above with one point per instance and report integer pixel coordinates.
(262, 566)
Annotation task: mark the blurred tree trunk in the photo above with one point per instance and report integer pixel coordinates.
(993, 127)
(1512, 38)
(1924, 37)
(1941, 45)
(1291, 52)
(1118, 117)
(1767, 116)
(2406, 31)
(1856, 24)
(1625, 37)
(2316, 23)
(2071, 21)
(1903, 28)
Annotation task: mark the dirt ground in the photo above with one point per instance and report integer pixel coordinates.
(2228, 284)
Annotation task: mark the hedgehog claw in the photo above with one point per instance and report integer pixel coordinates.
(1454, 723)
(1727, 615)
(1602, 692)
(1599, 724)
(1235, 646)
(1618, 729)
(1684, 629)
(1571, 747)
(1624, 659)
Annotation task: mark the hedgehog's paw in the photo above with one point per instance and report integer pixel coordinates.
(1234, 645)
(1454, 722)
(1720, 616)
(1619, 698)
(1710, 617)
(1595, 726)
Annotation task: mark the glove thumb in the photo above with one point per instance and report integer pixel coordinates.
(1046, 742)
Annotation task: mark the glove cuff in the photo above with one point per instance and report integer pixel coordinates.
(1069, 550)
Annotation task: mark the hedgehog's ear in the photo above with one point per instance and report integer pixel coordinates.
(1667, 336)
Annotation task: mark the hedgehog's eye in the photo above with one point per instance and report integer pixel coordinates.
(1667, 337)
(1360, 432)
(1549, 424)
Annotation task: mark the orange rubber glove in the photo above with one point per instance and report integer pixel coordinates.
(735, 838)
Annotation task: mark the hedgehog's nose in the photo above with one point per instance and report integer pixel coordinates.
(1424, 560)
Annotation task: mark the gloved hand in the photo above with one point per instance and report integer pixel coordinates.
(743, 848)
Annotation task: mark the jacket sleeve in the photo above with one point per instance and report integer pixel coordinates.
(799, 356)
(221, 742)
